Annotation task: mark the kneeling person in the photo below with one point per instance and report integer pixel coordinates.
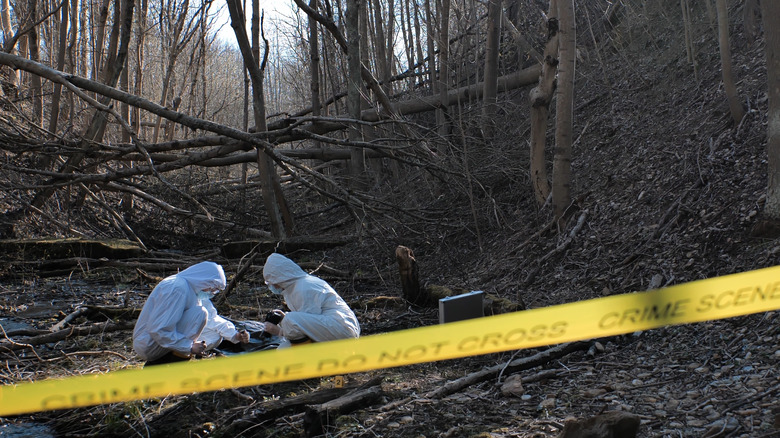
(179, 320)
(317, 313)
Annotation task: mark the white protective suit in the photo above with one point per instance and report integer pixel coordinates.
(178, 312)
(316, 310)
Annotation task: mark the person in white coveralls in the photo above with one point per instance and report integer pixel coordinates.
(317, 313)
(178, 320)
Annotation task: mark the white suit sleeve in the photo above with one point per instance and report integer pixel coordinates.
(218, 324)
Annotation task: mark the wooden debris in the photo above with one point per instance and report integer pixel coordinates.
(318, 417)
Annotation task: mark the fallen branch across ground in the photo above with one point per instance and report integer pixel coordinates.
(273, 409)
(8, 345)
(319, 417)
(516, 365)
(558, 249)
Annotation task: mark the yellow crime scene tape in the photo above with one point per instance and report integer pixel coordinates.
(702, 300)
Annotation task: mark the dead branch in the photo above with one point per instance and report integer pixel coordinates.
(239, 274)
(318, 418)
(516, 365)
(25, 332)
(275, 408)
(73, 315)
(172, 209)
(114, 312)
(52, 358)
(662, 225)
(8, 345)
(117, 217)
(558, 249)
(17, 345)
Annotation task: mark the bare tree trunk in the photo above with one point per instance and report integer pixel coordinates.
(111, 71)
(561, 190)
(770, 12)
(314, 67)
(689, 48)
(35, 55)
(735, 106)
(72, 59)
(245, 166)
(82, 63)
(365, 74)
(113, 68)
(541, 97)
(750, 12)
(127, 202)
(417, 31)
(265, 168)
(380, 43)
(174, 49)
(408, 38)
(390, 42)
(264, 165)
(140, 61)
(5, 16)
(99, 33)
(491, 66)
(62, 47)
(369, 40)
(279, 213)
(23, 43)
(431, 31)
(354, 85)
(444, 70)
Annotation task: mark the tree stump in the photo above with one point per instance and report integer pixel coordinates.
(410, 280)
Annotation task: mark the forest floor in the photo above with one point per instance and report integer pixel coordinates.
(671, 191)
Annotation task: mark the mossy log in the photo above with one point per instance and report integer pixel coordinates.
(63, 248)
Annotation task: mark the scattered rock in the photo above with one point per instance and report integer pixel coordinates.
(547, 404)
(513, 386)
(607, 425)
(594, 392)
(721, 427)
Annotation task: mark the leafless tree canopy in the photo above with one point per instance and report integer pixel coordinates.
(122, 117)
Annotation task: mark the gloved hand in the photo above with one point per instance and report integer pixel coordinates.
(198, 347)
(242, 337)
(275, 316)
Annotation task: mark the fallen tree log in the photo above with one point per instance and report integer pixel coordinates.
(54, 248)
(514, 80)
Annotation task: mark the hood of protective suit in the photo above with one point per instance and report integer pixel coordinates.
(204, 275)
(279, 269)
